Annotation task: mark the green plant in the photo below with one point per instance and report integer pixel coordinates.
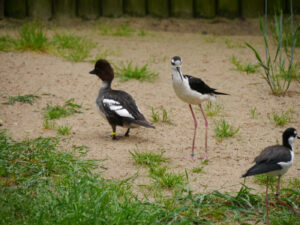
(48, 124)
(155, 116)
(24, 99)
(71, 47)
(164, 118)
(166, 179)
(212, 109)
(210, 38)
(7, 43)
(278, 69)
(248, 68)
(262, 179)
(123, 30)
(64, 130)
(253, 113)
(57, 111)
(128, 72)
(148, 158)
(283, 118)
(229, 44)
(197, 170)
(224, 130)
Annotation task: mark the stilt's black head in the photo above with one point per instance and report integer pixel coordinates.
(289, 136)
(103, 70)
(176, 61)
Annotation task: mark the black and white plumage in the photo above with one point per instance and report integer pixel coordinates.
(193, 91)
(117, 106)
(275, 161)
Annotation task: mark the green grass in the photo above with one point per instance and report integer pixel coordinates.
(64, 130)
(48, 124)
(123, 30)
(128, 72)
(7, 43)
(57, 111)
(71, 47)
(148, 158)
(229, 43)
(248, 68)
(283, 118)
(164, 117)
(261, 179)
(41, 183)
(210, 38)
(212, 109)
(224, 130)
(24, 99)
(197, 169)
(253, 112)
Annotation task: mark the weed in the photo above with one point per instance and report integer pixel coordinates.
(7, 43)
(210, 38)
(248, 68)
(64, 130)
(155, 116)
(197, 170)
(262, 179)
(123, 30)
(164, 118)
(71, 47)
(212, 109)
(224, 130)
(253, 113)
(128, 72)
(283, 118)
(229, 44)
(166, 179)
(148, 158)
(50, 125)
(57, 111)
(24, 99)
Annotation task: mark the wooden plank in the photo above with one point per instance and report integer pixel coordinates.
(40, 9)
(64, 9)
(135, 7)
(15, 8)
(158, 8)
(112, 8)
(88, 9)
(276, 5)
(228, 8)
(253, 8)
(205, 8)
(1, 9)
(182, 8)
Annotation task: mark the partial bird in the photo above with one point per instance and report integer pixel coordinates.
(275, 161)
(193, 91)
(117, 106)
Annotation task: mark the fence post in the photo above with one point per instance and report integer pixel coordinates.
(112, 8)
(275, 5)
(1, 9)
(228, 8)
(158, 8)
(15, 8)
(40, 9)
(205, 8)
(64, 9)
(135, 7)
(88, 9)
(253, 8)
(182, 8)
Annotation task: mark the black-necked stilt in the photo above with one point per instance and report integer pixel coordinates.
(275, 161)
(117, 106)
(193, 91)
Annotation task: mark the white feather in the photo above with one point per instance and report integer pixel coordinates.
(124, 113)
(117, 108)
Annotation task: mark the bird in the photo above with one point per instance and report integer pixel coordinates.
(193, 91)
(275, 161)
(117, 106)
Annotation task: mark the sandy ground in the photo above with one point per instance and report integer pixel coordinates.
(29, 72)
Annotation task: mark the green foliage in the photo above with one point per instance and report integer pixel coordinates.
(57, 111)
(253, 113)
(210, 38)
(212, 109)
(127, 72)
(166, 179)
(262, 180)
(230, 44)
(48, 124)
(164, 118)
(248, 68)
(283, 118)
(224, 130)
(278, 69)
(6, 43)
(64, 130)
(197, 169)
(71, 47)
(24, 99)
(149, 158)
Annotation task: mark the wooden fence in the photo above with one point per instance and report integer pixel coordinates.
(92, 9)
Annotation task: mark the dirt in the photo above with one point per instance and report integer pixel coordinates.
(201, 45)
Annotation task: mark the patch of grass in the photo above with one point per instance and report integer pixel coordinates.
(224, 130)
(24, 99)
(164, 118)
(210, 38)
(71, 47)
(7, 43)
(48, 124)
(128, 72)
(155, 116)
(212, 109)
(197, 169)
(248, 68)
(261, 179)
(283, 118)
(230, 44)
(57, 111)
(123, 30)
(148, 158)
(253, 112)
(64, 130)
(166, 179)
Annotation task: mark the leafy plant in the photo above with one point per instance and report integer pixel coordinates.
(283, 118)
(148, 158)
(224, 130)
(57, 111)
(24, 99)
(64, 130)
(164, 118)
(229, 44)
(197, 170)
(127, 72)
(278, 69)
(48, 124)
(212, 109)
(7, 43)
(166, 179)
(253, 113)
(248, 68)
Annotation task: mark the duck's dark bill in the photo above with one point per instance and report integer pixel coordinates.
(93, 72)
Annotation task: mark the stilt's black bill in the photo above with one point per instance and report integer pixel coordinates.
(93, 72)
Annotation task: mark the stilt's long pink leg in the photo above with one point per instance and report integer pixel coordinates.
(206, 128)
(267, 200)
(195, 130)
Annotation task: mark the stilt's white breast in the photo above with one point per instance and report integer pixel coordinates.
(285, 167)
